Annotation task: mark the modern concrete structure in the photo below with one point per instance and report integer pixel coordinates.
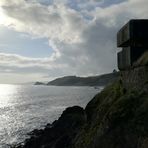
(124, 60)
(128, 56)
(133, 37)
(134, 33)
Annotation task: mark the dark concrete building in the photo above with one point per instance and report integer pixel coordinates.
(133, 37)
(134, 33)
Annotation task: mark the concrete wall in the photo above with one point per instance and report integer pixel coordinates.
(134, 33)
(124, 59)
(123, 36)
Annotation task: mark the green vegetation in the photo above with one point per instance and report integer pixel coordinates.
(116, 119)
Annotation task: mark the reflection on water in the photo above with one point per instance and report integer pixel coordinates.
(23, 108)
(6, 93)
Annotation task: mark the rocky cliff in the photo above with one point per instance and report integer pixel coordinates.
(115, 118)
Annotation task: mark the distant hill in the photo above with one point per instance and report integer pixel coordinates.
(85, 81)
(39, 83)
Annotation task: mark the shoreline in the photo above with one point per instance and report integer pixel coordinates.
(110, 113)
(67, 126)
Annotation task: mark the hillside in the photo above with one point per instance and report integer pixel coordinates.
(39, 83)
(85, 81)
(115, 118)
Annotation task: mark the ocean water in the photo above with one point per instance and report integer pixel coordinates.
(26, 107)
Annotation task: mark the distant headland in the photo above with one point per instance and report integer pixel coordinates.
(101, 80)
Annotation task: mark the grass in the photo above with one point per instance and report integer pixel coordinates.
(113, 111)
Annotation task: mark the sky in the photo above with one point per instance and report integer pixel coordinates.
(44, 39)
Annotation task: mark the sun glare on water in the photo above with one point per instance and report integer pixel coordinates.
(7, 93)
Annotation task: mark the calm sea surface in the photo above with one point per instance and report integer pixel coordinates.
(25, 107)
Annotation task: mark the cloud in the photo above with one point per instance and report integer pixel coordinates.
(82, 35)
(17, 78)
(15, 60)
(55, 22)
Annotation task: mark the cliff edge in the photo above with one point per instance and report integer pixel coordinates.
(115, 118)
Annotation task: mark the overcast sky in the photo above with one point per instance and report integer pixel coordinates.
(45, 39)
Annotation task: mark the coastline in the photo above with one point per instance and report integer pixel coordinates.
(32, 107)
(100, 124)
(60, 132)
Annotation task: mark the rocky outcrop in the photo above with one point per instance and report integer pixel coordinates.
(60, 133)
(114, 118)
(39, 83)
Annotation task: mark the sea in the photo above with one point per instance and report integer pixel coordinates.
(24, 108)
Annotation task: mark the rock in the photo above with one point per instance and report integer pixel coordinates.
(35, 133)
(39, 83)
(114, 118)
(60, 133)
